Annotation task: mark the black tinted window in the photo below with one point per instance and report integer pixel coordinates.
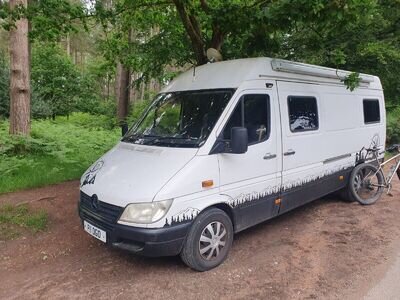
(303, 113)
(371, 111)
(251, 112)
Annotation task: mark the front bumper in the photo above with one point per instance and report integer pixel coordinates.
(166, 241)
(149, 241)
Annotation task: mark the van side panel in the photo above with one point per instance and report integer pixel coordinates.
(322, 159)
(309, 191)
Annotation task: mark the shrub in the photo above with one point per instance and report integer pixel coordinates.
(56, 82)
(56, 151)
(393, 126)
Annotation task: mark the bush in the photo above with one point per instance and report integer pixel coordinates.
(393, 127)
(56, 151)
(94, 106)
(59, 87)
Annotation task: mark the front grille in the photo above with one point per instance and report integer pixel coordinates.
(105, 215)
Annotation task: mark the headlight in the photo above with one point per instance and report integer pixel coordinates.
(145, 213)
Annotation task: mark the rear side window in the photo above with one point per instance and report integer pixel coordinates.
(303, 113)
(372, 112)
(252, 112)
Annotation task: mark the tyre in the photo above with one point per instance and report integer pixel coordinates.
(209, 240)
(346, 195)
(366, 183)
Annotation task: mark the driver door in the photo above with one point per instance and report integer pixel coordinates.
(252, 179)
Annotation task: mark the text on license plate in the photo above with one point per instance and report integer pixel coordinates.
(94, 231)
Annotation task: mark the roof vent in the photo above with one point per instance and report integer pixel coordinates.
(214, 55)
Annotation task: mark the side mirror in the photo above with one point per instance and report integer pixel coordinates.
(239, 140)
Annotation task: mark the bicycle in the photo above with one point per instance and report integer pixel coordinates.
(367, 180)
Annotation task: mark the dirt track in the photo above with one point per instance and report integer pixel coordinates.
(327, 249)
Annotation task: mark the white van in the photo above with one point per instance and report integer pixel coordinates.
(226, 146)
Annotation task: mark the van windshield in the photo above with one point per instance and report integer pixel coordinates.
(180, 119)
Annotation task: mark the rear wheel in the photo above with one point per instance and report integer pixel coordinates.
(366, 184)
(209, 240)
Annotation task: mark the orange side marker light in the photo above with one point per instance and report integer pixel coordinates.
(341, 178)
(207, 183)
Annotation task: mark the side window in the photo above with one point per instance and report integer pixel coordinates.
(372, 112)
(303, 113)
(252, 112)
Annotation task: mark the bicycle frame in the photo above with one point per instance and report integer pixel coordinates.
(389, 181)
(389, 177)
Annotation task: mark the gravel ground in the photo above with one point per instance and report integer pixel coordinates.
(325, 250)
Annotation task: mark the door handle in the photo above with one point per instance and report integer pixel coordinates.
(289, 152)
(269, 156)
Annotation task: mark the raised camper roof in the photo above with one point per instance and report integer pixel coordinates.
(232, 73)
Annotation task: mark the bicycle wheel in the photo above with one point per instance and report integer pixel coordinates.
(366, 183)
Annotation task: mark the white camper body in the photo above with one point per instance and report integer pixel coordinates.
(304, 132)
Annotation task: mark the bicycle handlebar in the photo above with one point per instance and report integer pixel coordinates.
(375, 149)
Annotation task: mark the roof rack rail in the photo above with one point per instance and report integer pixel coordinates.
(311, 70)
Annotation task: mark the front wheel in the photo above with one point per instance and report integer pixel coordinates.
(209, 240)
(366, 183)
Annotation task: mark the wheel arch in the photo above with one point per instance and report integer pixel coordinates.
(227, 209)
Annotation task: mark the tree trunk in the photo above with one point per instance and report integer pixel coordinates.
(68, 45)
(142, 91)
(122, 93)
(20, 75)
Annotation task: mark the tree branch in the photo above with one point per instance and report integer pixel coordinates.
(193, 30)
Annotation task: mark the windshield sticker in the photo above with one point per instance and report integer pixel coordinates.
(90, 176)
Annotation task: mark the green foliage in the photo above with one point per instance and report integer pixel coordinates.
(19, 145)
(49, 19)
(393, 126)
(357, 35)
(151, 39)
(96, 88)
(56, 84)
(352, 81)
(15, 217)
(59, 87)
(57, 151)
(137, 110)
(4, 84)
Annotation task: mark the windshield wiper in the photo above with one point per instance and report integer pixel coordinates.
(137, 136)
(164, 138)
(153, 139)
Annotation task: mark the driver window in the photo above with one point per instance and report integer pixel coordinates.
(253, 113)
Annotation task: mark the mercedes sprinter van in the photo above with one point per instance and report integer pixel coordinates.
(226, 146)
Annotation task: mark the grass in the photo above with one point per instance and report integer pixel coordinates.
(57, 151)
(15, 218)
